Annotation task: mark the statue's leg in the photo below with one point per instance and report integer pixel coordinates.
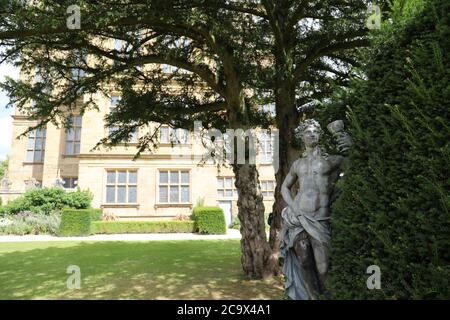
(304, 252)
(321, 257)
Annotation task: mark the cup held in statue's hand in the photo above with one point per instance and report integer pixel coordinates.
(336, 126)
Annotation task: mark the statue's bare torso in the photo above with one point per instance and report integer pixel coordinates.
(315, 176)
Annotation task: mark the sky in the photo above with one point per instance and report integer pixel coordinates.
(5, 114)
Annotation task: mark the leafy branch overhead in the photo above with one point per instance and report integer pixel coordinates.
(228, 49)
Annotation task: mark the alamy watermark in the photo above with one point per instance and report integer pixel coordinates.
(373, 22)
(74, 280)
(250, 146)
(73, 21)
(374, 280)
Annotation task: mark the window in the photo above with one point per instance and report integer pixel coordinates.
(36, 146)
(121, 186)
(266, 141)
(73, 136)
(226, 187)
(268, 188)
(174, 186)
(175, 136)
(70, 182)
(41, 82)
(134, 135)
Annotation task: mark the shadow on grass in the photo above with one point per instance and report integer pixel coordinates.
(130, 270)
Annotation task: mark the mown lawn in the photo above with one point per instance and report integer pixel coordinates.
(196, 269)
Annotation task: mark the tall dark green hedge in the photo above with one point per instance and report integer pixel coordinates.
(393, 207)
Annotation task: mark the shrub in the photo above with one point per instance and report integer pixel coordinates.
(18, 228)
(30, 223)
(236, 224)
(96, 214)
(209, 220)
(392, 210)
(75, 222)
(46, 200)
(110, 227)
(78, 199)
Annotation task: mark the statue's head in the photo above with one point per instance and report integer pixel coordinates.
(309, 131)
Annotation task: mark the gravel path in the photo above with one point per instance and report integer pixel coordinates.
(231, 234)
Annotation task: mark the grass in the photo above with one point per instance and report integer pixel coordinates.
(196, 269)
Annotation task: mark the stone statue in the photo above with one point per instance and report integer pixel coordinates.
(32, 183)
(305, 234)
(59, 182)
(5, 183)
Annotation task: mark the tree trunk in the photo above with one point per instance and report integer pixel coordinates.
(256, 258)
(287, 120)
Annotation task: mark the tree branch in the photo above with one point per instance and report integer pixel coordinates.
(325, 50)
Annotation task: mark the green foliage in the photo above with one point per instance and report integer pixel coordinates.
(96, 214)
(236, 224)
(47, 200)
(75, 222)
(200, 202)
(30, 223)
(111, 227)
(3, 167)
(80, 199)
(209, 220)
(393, 208)
(10, 227)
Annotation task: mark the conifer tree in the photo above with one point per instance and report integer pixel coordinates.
(393, 206)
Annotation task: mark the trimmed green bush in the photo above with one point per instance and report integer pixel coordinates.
(75, 222)
(96, 214)
(110, 227)
(209, 220)
(236, 224)
(46, 200)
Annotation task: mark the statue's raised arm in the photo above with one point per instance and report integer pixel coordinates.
(344, 142)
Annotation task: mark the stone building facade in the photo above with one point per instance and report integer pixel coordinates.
(158, 185)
